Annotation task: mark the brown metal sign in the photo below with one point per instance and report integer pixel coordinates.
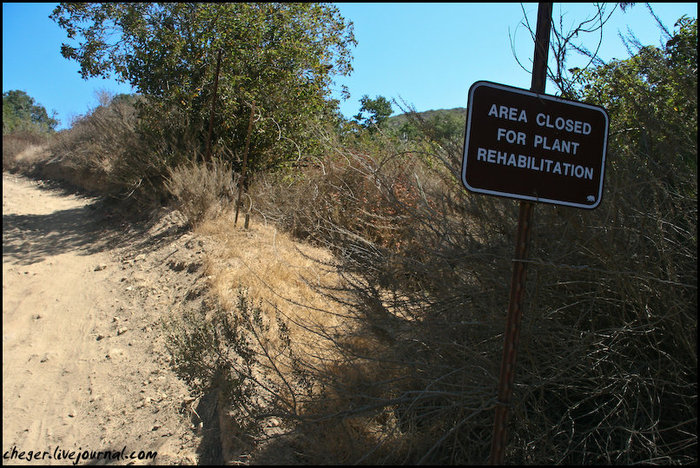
(536, 147)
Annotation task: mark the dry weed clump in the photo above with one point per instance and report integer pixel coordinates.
(201, 190)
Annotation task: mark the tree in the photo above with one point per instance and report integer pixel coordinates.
(652, 101)
(378, 110)
(280, 56)
(21, 112)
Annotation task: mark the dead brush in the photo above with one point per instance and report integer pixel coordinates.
(389, 276)
(87, 154)
(21, 151)
(201, 190)
(606, 369)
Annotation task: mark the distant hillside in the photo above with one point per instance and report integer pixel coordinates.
(458, 112)
(449, 123)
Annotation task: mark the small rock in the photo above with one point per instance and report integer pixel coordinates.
(99, 337)
(100, 267)
(36, 316)
(122, 330)
(115, 352)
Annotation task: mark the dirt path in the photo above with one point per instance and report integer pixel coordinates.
(84, 363)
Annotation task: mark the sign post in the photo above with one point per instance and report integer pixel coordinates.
(535, 148)
(515, 303)
(531, 147)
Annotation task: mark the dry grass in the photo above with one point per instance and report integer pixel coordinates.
(308, 329)
(282, 274)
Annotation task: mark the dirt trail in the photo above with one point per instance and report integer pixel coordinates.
(84, 364)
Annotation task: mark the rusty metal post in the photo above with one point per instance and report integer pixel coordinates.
(511, 335)
(517, 285)
(213, 107)
(241, 181)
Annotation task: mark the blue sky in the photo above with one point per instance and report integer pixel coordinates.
(427, 54)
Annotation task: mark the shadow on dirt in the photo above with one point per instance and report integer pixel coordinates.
(88, 229)
(209, 450)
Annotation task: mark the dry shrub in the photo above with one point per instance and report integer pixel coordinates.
(21, 151)
(406, 365)
(113, 151)
(609, 361)
(86, 155)
(201, 190)
(350, 190)
(607, 365)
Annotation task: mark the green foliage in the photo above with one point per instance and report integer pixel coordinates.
(442, 124)
(20, 112)
(652, 102)
(279, 56)
(378, 110)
